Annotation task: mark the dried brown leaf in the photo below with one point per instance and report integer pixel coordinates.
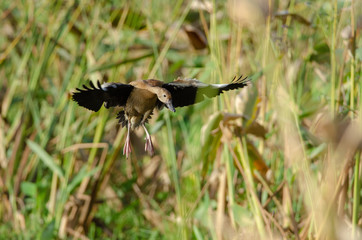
(196, 37)
(256, 129)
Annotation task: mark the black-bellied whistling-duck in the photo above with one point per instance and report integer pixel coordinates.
(139, 98)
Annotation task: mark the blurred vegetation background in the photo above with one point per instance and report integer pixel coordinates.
(278, 160)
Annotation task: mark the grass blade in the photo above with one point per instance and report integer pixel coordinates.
(45, 158)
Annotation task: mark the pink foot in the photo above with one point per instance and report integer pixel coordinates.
(148, 146)
(127, 145)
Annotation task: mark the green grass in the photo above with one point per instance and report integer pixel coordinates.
(279, 159)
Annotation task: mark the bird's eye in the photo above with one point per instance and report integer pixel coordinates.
(164, 95)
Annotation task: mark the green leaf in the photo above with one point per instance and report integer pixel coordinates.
(29, 189)
(45, 158)
(242, 215)
(48, 232)
(197, 233)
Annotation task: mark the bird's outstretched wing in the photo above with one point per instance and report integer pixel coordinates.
(93, 97)
(190, 91)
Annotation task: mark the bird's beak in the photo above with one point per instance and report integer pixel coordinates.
(170, 106)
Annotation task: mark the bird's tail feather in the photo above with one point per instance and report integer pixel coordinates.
(122, 118)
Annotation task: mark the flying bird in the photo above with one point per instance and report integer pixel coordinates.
(139, 98)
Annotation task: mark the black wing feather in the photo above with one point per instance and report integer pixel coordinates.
(188, 92)
(92, 98)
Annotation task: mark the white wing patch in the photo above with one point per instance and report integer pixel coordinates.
(105, 86)
(219, 85)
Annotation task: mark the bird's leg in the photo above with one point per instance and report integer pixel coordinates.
(148, 145)
(127, 145)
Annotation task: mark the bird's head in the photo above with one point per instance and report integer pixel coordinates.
(165, 96)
